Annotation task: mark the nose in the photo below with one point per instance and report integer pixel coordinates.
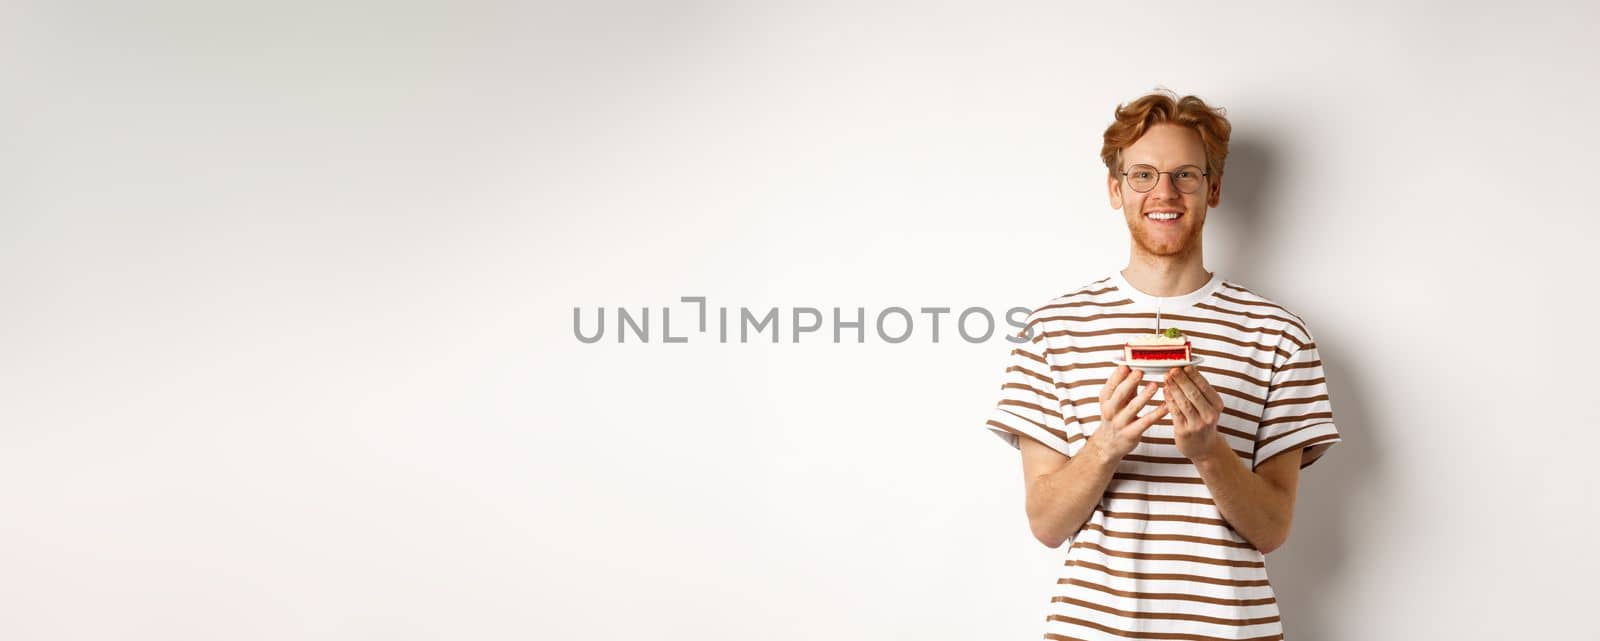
(1165, 187)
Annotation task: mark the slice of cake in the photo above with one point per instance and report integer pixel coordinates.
(1170, 346)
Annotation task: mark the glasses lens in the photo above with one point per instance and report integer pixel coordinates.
(1187, 179)
(1142, 177)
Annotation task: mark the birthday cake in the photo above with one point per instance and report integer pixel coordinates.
(1170, 346)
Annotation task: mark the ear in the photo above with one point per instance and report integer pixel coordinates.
(1215, 192)
(1114, 190)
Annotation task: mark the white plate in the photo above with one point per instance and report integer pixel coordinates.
(1159, 368)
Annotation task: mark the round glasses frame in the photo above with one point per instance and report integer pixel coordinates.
(1173, 176)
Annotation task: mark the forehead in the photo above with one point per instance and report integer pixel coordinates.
(1166, 145)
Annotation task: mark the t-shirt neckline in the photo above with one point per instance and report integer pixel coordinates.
(1166, 302)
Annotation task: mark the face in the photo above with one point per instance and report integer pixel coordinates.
(1166, 147)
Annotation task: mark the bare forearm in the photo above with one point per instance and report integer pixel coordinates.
(1258, 510)
(1060, 502)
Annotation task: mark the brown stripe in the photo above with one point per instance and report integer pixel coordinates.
(1146, 556)
(1166, 576)
(1320, 439)
(1164, 636)
(1086, 303)
(1147, 536)
(1301, 417)
(1263, 443)
(1263, 302)
(1266, 365)
(1239, 312)
(1305, 365)
(1170, 596)
(1236, 287)
(1129, 476)
(1165, 498)
(1270, 390)
(1029, 372)
(1165, 616)
(1141, 516)
(1037, 408)
(1029, 388)
(1019, 352)
(1085, 350)
(1174, 460)
(1232, 374)
(1295, 401)
(1065, 436)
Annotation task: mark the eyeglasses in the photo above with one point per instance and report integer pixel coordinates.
(1143, 178)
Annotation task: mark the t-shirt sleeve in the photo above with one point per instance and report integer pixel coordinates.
(1298, 412)
(1031, 404)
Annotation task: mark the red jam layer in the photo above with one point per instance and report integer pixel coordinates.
(1158, 354)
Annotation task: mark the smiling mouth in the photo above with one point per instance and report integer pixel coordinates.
(1163, 217)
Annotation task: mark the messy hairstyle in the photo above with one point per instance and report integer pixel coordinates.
(1135, 118)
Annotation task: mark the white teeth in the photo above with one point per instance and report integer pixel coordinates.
(1162, 215)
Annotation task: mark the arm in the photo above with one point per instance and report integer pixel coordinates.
(1062, 492)
(1260, 504)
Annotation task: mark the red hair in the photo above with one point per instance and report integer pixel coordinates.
(1163, 106)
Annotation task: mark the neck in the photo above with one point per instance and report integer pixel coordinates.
(1166, 276)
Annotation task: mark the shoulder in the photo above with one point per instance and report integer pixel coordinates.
(1072, 306)
(1276, 317)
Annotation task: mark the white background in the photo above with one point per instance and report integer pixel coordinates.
(288, 293)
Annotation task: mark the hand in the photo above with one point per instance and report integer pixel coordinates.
(1196, 408)
(1120, 428)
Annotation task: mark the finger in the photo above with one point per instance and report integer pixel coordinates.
(1124, 389)
(1179, 403)
(1212, 397)
(1132, 409)
(1111, 383)
(1191, 392)
(1150, 418)
(1194, 386)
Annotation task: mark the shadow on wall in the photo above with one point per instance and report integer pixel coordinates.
(1307, 568)
(1245, 197)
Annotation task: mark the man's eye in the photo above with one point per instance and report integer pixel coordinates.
(1142, 175)
(1186, 174)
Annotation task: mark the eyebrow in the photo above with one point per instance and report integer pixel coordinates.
(1151, 164)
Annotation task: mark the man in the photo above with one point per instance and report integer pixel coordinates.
(1170, 490)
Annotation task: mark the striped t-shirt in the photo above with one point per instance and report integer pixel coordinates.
(1156, 559)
